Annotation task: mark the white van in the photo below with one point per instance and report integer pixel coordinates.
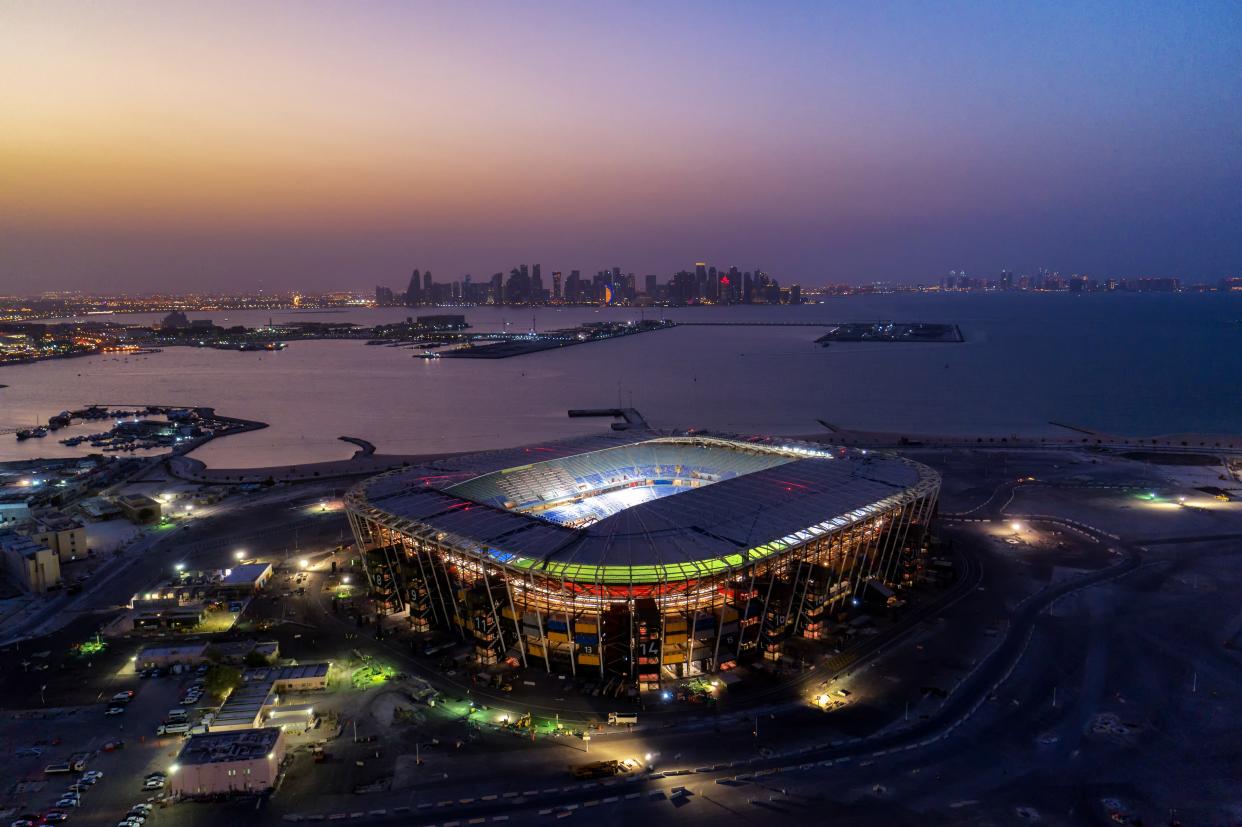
(178, 714)
(622, 718)
(173, 729)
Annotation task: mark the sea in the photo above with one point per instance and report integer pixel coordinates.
(1032, 363)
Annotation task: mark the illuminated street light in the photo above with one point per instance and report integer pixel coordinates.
(240, 554)
(302, 563)
(1015, 527)
(180, 567)
(345, 580)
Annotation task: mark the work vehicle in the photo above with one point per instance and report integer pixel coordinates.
(622, 718)
(173, 728)
(605, 769)
(596, 769)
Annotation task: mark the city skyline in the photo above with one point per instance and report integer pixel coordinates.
(322, 147)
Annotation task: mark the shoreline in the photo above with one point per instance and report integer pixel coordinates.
(367, 463)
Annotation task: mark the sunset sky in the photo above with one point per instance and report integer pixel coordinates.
(233, 145)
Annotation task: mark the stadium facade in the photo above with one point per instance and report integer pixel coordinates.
(641, 554)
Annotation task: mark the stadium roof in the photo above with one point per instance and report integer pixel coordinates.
(757, 497)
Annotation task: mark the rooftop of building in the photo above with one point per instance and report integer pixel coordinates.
(136, 500)
(221, 747)
(245, 574)
(243, 705)
(634, 499)
(52, 519)
(173, 651)
(13, 543)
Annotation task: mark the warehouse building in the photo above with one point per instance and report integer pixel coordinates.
(220, 763)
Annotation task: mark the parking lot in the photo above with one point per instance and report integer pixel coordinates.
(124, 748)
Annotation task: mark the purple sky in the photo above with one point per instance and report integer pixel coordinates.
(338, 145)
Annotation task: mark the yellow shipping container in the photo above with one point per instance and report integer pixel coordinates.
(558, 637)
(588, 660)
(671, 640)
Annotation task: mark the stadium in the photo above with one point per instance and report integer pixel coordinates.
(641, 554)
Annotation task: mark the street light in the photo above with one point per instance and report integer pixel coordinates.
(180, 567)
(1015, 527)
(302, 563)
(240, 554)
(345, 580)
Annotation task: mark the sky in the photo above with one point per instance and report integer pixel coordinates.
(173, 146)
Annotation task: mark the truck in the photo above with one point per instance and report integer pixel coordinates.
(172, 728)
(622, 718)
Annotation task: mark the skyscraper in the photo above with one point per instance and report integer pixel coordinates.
(414, 292)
